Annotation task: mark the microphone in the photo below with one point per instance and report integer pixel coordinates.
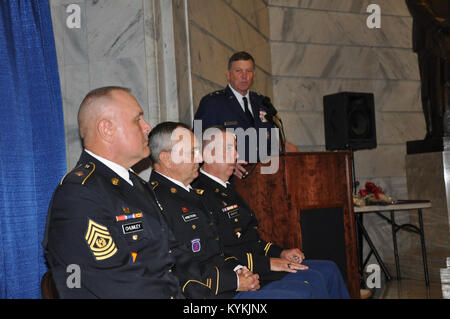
(272, 110)
(273, 117)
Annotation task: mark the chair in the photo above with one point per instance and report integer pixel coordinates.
(48, 287)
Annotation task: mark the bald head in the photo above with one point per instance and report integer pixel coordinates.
(94, 107)
(111, 125)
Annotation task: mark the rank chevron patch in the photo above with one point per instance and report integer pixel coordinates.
(100, 241)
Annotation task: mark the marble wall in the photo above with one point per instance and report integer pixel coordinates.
(303, 50)
(119, 42)
(216, 29)
(170, 53)
(321, 47)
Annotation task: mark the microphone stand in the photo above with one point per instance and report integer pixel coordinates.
(278, 123)
(275, 119)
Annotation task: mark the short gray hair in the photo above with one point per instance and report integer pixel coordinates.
(159, 138)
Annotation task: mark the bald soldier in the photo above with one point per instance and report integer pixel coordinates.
(103, 218)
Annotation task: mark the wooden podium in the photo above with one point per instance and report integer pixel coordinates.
(307, 203)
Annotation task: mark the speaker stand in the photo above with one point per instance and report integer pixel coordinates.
(354, 181)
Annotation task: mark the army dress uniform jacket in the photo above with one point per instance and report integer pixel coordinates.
(222, 108)
(238, 228)
(202, 268)
(113, 232)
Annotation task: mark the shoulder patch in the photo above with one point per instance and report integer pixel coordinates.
(79, 175)
(218, 92)
(256, 94)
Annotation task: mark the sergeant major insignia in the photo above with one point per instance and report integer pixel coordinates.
(100, 241)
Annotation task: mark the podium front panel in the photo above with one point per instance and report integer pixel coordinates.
(285, 204)
(323, 236)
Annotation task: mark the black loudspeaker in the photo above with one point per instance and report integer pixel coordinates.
(349, 121)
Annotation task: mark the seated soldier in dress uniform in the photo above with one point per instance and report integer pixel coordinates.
(238, 227)
(203, 269)
(104, 218)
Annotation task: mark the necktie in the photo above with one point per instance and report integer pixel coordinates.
(247, 112)
(137, 182)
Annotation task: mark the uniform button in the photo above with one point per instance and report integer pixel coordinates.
(194, 227)
(170, 251)
(236, 220)
(217, 238)
(306, 282)
(170, 271)
(172, 297)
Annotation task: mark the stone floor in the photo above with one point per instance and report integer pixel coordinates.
(408, 289)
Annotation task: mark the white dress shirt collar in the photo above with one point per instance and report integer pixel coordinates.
(240, 97)
(118, 169)
(187, 188)
(214, 178)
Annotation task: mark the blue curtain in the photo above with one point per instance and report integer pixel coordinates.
(32, 143)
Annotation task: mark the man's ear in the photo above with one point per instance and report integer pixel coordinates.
(212, 156)
(165, 159)
(106, 130)
(228, 75)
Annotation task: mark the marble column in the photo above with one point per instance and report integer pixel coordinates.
(427, 177)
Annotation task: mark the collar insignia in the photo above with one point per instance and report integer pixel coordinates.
(199, 191)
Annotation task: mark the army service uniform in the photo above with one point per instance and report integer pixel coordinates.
(113, 232)
(238, 230)
(203, 269)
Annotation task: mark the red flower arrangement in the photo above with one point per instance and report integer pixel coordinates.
(371, 188)
(372, 195)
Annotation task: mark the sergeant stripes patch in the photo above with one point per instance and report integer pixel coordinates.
(100, 241)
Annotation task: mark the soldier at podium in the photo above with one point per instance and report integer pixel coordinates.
(237, 107)
(238, 227)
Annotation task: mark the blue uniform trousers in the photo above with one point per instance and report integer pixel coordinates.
(322, 280)
(279, 289)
